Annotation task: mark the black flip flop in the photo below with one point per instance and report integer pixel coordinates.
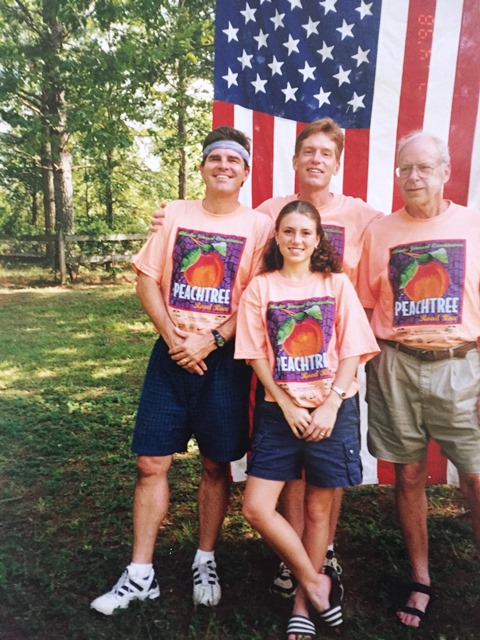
(332, 616)
(420, 588)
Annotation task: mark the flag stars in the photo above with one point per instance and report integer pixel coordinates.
(291, 45)
(245, 59)
(342, 76)
(356, 102)
(231, 32)
(261, 39)
(231, 78)
(290, 92)
(278, 19)
(361, 56)
(259, 84)
(364, 9)
(276, 66)
(311, 27)
(346, 29)
(248, 13)
(329, 5)
(322, 97)
(307, 72)
(325, 52)
(316, 72)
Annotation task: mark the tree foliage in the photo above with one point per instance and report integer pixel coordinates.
(89, 92)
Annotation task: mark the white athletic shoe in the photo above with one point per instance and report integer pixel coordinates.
(206, 585)
(331, 561)
(284, 583)
(126, 590)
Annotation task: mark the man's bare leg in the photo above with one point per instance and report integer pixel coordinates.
(291, 506)
(470, 486)
(335, 513)
(150, 505)
(411, 503)
(212, 497)
(212, 505)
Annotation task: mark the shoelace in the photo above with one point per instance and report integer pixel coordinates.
(285, 574)
(125, 584)
(205, 573)
(333, 562)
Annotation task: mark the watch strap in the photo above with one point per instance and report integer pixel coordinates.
(339, 391)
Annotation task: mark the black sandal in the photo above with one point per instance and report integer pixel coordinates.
(332, 616)
(301, 626)
(419, 588)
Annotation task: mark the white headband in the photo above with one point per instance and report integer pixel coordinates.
(227, 144)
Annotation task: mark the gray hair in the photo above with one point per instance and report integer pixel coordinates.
(442, 147)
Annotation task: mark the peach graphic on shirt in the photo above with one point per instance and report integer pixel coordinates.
(301, 334)
(203, 266)
(425, 276)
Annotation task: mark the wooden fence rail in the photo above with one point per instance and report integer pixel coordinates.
(60, 254)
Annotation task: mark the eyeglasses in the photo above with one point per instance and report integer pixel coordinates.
(423, 170)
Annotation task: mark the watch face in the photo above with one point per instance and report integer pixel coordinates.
(219, 339)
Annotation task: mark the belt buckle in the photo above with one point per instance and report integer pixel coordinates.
(426, 355)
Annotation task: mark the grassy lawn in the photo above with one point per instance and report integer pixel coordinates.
(71, 367)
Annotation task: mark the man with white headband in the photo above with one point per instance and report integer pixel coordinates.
(190, 278)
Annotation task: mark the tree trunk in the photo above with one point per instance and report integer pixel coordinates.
(182, 174)
(56, 115)
(109, 191)
(62, 180)
(182, 134)
(48, 195)
(34, 208)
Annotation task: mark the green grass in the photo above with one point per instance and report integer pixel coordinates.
(71, 368)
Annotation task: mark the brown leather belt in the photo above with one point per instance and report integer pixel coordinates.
(432, 355)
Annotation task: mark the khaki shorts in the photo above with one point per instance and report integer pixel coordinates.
(411, 401)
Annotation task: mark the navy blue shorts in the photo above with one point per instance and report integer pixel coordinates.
(176, 405)
(331, 462)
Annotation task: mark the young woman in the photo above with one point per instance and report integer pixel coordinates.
(302, 329)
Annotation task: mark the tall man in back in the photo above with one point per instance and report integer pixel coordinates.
(190, 278)
(420, 281)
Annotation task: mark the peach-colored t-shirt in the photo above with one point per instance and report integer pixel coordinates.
(304, 328)
(203, 261)
(344, 220)
(421, 277)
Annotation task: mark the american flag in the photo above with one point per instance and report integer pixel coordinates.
(380, 68)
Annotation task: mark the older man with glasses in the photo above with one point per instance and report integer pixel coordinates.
(420, 280)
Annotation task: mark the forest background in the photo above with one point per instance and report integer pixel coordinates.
(102, 108)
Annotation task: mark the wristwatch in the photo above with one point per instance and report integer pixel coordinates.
(219, 339)
(340, 391)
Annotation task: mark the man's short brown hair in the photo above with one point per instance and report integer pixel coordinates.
(327, 126)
